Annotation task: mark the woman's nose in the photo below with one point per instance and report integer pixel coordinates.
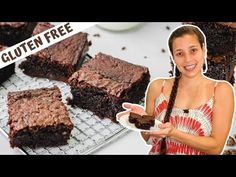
(187, 58)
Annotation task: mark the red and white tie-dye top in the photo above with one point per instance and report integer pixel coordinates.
(196, 121)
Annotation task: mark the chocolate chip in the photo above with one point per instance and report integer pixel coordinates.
(123, 48)
(163, 50)
(167, 27)
(97, 35)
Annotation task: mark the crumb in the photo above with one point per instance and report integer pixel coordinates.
(123, 48)
(163, 50)
(97, 35)
(167, 27)
(230, 141)
(145, 56)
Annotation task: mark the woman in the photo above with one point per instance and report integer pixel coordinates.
(196, 111)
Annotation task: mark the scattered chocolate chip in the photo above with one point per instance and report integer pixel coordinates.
(123, 48)
(167, 27)
(145, 56)
(163, 50)
(229, 152)
(97, 35)
(230, 141)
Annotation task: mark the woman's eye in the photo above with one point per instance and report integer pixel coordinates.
(193, 50)
(179, 54)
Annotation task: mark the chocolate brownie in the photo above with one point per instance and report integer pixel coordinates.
(133, 117)
(103, 83)
(42, 26)
(59, 61)
(145, 123)
(38, 118)
(7, 71)
(142, 121)
(14, 32)
(221, 67)
(220, 36)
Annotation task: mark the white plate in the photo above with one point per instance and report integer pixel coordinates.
(124, 121)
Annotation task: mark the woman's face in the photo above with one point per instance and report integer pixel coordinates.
(188, 55)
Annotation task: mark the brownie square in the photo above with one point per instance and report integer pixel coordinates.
(142, 121)
(103, 83)
(7, 71)
(14, 32)
(133, 117)
(220, 37)
(145, 123)
(38, 118)
(42, 26)
(221, 67)
(59, 61)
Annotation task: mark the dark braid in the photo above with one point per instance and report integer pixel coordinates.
(170, 107)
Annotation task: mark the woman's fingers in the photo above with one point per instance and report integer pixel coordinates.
(127, 105)
(134, 108)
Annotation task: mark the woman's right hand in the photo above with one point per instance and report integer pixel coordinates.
(129, 107)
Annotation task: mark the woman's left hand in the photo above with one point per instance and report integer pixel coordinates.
(166, 130)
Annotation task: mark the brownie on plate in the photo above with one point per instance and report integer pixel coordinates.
(59, 61)
(104, 82)
(142, 121)
(14, 32)
(38, 118)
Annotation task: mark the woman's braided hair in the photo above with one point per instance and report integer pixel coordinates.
(189, 29)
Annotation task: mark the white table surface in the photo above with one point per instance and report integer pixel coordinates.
(144, 46)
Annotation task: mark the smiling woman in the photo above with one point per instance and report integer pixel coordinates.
(190, 105)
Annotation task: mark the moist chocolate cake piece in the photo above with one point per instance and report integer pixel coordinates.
(14, 32)
(42, 26)
(38, 118)
(133, 117)
(220, 36)
(145, 122)
(103, 83)
(59, 61)
(221, 67)
(7, 71)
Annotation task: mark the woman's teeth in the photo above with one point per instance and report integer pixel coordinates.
(190, 67)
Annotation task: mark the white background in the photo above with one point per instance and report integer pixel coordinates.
(144, 46)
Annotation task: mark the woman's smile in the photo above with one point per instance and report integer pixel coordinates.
(190, 67)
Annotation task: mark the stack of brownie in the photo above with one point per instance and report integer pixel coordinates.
(38, 118)
(14, 32)
(7, 71)
(221, 47)
(103, 83)
(59, 61)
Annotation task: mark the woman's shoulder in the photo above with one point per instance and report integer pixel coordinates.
(220, 85)
(224, 89)
(159, 82)
(224, 86)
